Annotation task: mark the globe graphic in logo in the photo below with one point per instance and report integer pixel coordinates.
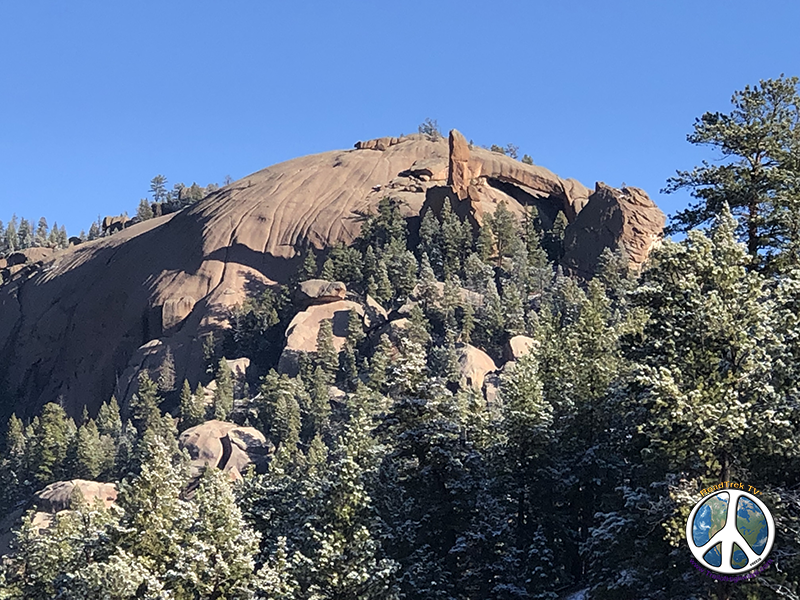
(730, 532)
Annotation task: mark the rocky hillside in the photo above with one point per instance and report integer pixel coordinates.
(77, 325)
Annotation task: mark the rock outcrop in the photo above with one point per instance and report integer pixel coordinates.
(474, 364)
(79, 327)
(301, 335)
(519, 345)
(225, 446)
(380, 144)
(320, 291)
(114, 224)
(60, 495)
(53, 499)
(625, 219)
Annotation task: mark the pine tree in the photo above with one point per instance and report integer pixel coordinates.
(431, 242)
(326, 357)
(158, 188)
(513, 309)
(492, 317)
(144, 404)
(428, 290)
(553, 241)
(349, 358)
(12, 239)
(90, 458)
(217, 561)
(504, 229)
(53, 435)
(24, 235)
(484, 245)
(478, 273)
(308, 265)
(192, 409)
(14, 471)
(467, 322)
(319, 410)
(386, 228)
(279, 410)
(223, 394)
(156, 520)
(286, 423)
(328, 270)
(383, 287)
(759, 140)
(109, 421)
(95, 230)
(456, 241)
(144, 211)
(343, 264)
(166, 373)
(407, 373)
(379, 364)
(401, 267)
(425, 493)
(697, 406)
(51, 562)
(346, 560)
(42, 232)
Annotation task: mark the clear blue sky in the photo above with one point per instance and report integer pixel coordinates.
(98, 97)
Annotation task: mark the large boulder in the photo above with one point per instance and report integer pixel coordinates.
(474, 364)
(625, 219)
(113, 224)
(519, 345)
(29, 255)
(226, 446)
(61, 495)
(51, 500)
(301, 335)
(320, 291)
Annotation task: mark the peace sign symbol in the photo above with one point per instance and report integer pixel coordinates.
(728, 507)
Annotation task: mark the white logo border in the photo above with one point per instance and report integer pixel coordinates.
(726, 532)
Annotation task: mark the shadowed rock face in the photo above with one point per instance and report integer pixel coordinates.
(623, 219)
(75, 327)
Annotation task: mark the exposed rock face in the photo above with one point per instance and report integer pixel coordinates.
(613, 218)
(24, 262)
(478, 180)
(474, 364)
(374, 314)
(226, 446)
(520, 345)
(435, 169)
(80, 326)
(319, 291)
(380, 144)
(59, 496)
(301, 335)
(460, 175)
(239, 366)
(29, 255)
(114, 224)
(175, 310)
